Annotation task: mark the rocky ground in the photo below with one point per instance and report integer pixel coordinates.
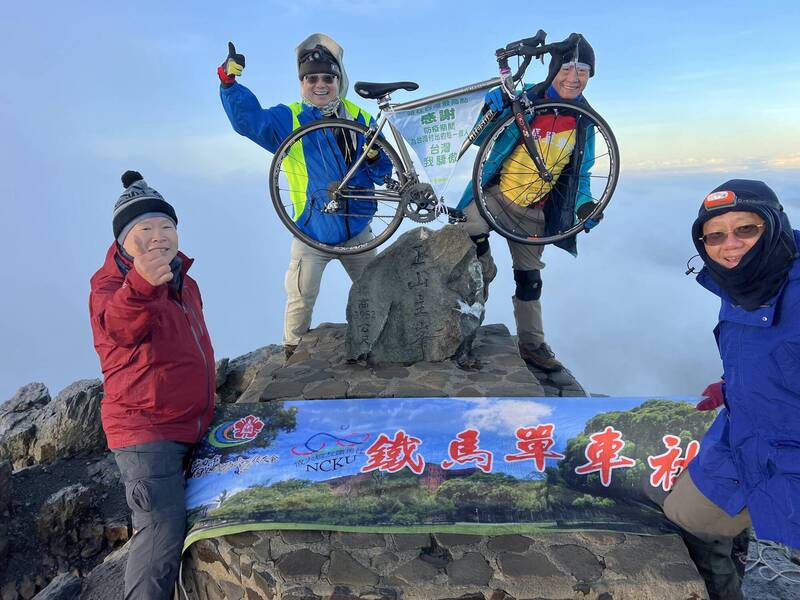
(63, 519)
(42, 541)
(773, 573)
(62, 508)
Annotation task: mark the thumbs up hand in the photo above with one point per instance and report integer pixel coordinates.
(152, 265)
(231, 67)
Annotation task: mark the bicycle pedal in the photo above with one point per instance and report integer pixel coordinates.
(455, 215)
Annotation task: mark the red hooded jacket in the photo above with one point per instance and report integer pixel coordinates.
(155, 353)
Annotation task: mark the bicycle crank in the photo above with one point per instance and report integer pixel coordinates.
(420, 203)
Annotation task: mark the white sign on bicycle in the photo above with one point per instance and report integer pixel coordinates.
(436, 132)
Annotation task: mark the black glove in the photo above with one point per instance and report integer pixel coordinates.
(584, 210)
(233, 66)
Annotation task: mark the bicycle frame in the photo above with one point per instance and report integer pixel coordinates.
(529, 48)
(386, 106)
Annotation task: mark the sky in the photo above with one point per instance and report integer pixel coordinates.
(697, 93)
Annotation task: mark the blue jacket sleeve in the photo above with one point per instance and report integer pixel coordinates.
(585, 175)
(382, 166)
(266, 127)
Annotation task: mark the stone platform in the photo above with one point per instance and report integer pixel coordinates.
(317, 565)
(318, 369)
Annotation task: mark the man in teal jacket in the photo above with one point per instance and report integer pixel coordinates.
(323, 85)
(516, 195)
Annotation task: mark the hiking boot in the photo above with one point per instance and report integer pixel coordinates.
(289, 349)
(540, 356)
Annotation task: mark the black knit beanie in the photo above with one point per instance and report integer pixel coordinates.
(137, 200)
(582, 52)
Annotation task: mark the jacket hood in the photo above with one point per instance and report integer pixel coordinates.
(327, 42)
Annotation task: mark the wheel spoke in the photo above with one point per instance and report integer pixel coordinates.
(592, 177)
(309, 185)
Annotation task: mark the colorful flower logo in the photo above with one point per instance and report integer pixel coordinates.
(247, 428)
(236, 433)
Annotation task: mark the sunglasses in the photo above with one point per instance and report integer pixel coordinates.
(743, 232)
(579, 67)
(313, 79)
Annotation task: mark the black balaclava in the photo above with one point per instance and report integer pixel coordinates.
(762, 270)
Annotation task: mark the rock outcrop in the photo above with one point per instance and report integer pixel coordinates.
(234, 377)
(5, 506)
(63, 507)
(35, 429)
(421, 300)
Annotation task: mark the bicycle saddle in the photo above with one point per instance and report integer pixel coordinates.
(373, 91)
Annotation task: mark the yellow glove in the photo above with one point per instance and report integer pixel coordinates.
(232, 67)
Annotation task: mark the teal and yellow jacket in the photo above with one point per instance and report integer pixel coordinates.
(319, 161)
(569, 192)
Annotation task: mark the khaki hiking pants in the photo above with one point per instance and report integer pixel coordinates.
(303, 278)
(687, 507)
(527, 313)
(709, 534)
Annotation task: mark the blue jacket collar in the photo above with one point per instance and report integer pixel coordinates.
(552, 93)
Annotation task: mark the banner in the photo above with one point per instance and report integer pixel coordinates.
(471, 465)
(436, 132)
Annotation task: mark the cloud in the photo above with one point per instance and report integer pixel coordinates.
(686, 165)
(785, 162)
(502, 416)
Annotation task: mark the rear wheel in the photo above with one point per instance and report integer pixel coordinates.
(305, 186)
(579, 173)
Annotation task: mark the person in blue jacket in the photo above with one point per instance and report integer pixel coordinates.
(323, 86)
(748, 468)
(521, 200)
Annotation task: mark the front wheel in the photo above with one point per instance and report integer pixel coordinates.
(307, 192)
(580, 151)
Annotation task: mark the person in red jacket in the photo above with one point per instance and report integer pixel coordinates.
(158, 371)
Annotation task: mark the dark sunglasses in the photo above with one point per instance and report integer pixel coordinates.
(743, 232)
(312, 79)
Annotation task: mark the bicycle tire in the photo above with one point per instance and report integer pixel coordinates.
(604, 172)
(310, 185)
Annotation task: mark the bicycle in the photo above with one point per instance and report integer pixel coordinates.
(337, 189)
